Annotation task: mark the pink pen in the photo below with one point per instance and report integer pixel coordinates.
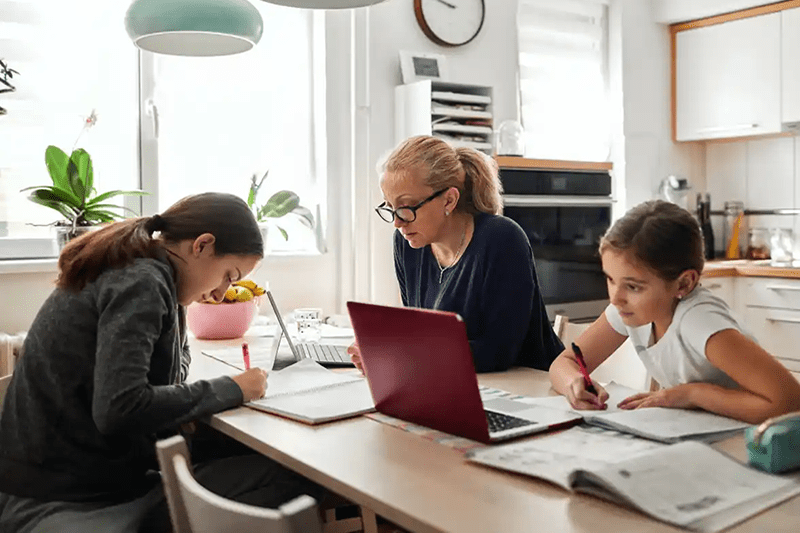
(246, 355)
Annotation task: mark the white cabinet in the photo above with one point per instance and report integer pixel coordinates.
(790, 67)
(772, 314)
(728, 79)
(723, 288)
(460, 114)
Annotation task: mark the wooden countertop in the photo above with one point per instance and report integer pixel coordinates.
(746, 267)
(550, 164)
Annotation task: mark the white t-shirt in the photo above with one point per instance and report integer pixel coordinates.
(680, 355)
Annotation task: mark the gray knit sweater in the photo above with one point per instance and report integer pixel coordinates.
(100, 379)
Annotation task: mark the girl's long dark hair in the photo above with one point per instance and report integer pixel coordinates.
(225, 216)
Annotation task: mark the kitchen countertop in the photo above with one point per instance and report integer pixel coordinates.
(748, 268)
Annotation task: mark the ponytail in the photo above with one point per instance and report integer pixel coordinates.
(482, 187)
(470, 171)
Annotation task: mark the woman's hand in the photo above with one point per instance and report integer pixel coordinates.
(355, 356)
(253, 383)
(675, 397)
(583, 400)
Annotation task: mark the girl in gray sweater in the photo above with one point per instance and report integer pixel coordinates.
(103, 376)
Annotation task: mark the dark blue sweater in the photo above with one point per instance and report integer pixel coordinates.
(493, 287)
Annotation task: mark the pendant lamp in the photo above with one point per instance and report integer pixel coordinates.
(324, 4)
(194, 27)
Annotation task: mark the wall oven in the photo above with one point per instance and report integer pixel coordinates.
(564, 213)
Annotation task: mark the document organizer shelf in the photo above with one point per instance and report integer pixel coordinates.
(460, 114)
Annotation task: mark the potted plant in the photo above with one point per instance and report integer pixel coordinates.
(279, 205)
(73, 195)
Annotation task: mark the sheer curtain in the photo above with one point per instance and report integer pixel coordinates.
(72, 58)
(220, 120)
(563, 63)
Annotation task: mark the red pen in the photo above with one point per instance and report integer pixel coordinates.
(246, 355)
(587, 381)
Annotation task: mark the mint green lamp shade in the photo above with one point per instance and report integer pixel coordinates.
(324, 4)
(194, 27)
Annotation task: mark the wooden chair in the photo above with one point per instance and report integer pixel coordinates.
(195, 509)
(4, 382)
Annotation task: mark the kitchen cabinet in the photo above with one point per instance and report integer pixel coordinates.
(723, 288)
(790, 67)
(772, 313)
(728, 79)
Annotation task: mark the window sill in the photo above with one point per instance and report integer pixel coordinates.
(28, 266)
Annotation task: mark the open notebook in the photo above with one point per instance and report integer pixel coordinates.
(310, 393)
(688, 484)
(656, 423)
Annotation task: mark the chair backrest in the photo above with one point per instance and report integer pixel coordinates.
(4, 382)
(195, 509)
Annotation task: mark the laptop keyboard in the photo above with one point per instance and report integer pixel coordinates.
(501, 422)
(331, 353)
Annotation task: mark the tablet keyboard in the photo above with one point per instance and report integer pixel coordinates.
(324, 353)
(501, 422)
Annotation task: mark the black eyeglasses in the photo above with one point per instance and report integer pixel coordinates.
(406, 213)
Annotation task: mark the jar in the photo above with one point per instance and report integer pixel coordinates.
(511, 139)
(757, 244)
(733, 230)
(781, 246)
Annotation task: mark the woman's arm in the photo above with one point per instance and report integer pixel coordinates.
(597, 343)
(767, 388)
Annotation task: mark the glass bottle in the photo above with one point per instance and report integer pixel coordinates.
(733, 230)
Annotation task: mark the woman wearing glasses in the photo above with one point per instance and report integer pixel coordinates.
(453, 251)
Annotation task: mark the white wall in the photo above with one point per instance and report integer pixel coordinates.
(671, 11)
(649, 154)
(763, 173)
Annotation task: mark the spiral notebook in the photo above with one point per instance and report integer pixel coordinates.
(308, 392)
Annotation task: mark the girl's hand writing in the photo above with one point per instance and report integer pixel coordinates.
(253, 383)
(355, 356)
(581, 399)
(675, 397)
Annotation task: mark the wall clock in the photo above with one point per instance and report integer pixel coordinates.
(450, 22)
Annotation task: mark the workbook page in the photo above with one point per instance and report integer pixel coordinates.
(557, 456)
(690, 484)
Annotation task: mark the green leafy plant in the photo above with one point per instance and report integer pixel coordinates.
(279, 205)
(72, 193)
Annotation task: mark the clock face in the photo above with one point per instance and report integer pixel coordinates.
(450, 22)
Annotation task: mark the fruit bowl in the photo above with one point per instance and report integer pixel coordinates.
(221, 321)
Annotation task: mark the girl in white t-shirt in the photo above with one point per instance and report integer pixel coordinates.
(689, 342)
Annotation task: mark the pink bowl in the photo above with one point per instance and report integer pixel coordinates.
(221, 321)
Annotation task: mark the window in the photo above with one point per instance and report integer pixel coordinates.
(563, 64)
(72, 58)
(212, 123)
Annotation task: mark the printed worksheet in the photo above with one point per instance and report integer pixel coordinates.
(556, 457)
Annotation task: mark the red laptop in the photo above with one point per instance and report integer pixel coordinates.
(419, 367)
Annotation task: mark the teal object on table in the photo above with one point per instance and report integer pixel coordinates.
(774, 446)
(194, 27)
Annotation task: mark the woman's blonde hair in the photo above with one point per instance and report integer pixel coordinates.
(470, 171)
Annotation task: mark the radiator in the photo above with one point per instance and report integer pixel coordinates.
(10, 350)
